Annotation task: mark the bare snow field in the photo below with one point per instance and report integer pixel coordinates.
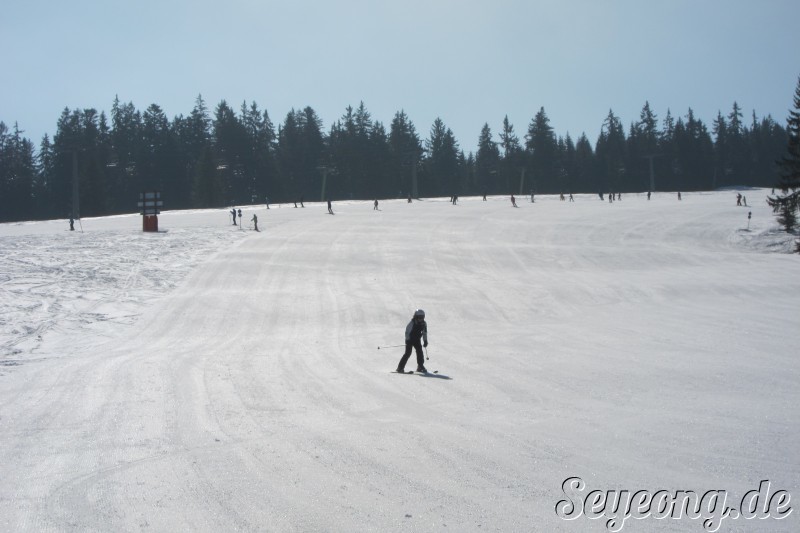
(207, 378)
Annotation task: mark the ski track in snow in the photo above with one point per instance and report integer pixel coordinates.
(212, 379)
(58, 284)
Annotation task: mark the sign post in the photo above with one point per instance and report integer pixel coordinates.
(149, 204)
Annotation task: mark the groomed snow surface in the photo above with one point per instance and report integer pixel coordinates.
(207, 378)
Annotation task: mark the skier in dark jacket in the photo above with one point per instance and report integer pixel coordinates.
(416, 330)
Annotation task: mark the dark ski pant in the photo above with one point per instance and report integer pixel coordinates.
(420, 359)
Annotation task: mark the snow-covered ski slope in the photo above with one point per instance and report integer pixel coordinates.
(211, 379)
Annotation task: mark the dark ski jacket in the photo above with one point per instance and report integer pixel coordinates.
(416, 331)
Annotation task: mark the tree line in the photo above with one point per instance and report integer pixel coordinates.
(786, 203)
(228, 158)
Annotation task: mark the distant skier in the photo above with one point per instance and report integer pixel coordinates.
(233, 214)
(619, 196)
(513, 201)
(330, 207)
(679, 195)
(266, 201)
(376, 206)
(744, 200)
(571, 198)
(254, 220)
(738, 198)
(648, 195)
(301, 201)
(71, 224)
(415, 330)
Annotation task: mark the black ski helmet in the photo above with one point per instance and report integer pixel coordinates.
(419, 313)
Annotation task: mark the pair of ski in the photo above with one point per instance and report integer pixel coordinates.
(411, 372)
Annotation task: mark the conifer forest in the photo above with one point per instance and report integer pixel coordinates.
(222, 157)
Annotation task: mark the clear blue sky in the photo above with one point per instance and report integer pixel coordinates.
(465, 61)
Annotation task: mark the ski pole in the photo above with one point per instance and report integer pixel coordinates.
(426, 354)
(391, 346)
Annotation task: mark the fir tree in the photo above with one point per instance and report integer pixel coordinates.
(45, 165)
(542, 147)
(514, 158)
(737, 146)
(207, 190)
(17, 175)
(486, 164)
(610, 152)
(787, 204)
(406, 152)
(442, 161)
(126, 140)
(722, 168)
(509, 140)
(584, 159)
(379, 160)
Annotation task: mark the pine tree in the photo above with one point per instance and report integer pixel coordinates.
(230, 148)
(610, 152)
(45, 165)
(17, 171)
(722, 167)
(584, 163)
(92, 161)
(67, 143)
(441, 163)
(207, 190)
(267, 177)
(126, 140)
(313, 155)
(737, 146)
(198, 130)
(693, 154)
(289, 152)
(646, 148)
(486, 164)
(767, 145)
(514, 158)
(509, 140)
(379, 163)
(787, 204)
(301, 148)
(406, 152)
(542, 146)
(349, 153)
(193, 135)
(569, 165)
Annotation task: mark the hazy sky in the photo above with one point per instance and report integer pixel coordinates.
(465, 61)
